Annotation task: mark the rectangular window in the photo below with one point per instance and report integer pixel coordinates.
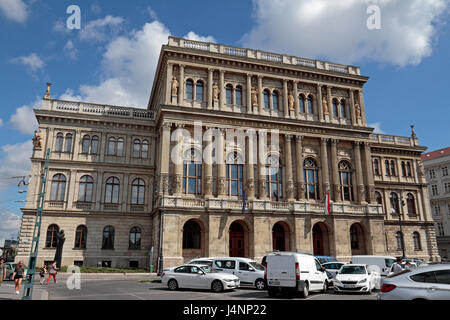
(432, 174)
(447, 187)
(445, 171)
(437, 210)
(434, 190)
(78, 263)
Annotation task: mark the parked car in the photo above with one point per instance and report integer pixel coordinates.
(333, 267)
(414, 262)
(325, 259)
(424, 283)
(294, 272)
(384, 263)
(356, 278)
(198, 276)
(247, 270)
(10, 267)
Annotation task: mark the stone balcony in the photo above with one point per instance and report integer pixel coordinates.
(174, 202)
(394, 140)
(262, 55)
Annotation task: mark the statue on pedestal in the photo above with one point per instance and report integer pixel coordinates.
(47, 92)
(325, 106)
(216, 91)
(254, 97)
(291, 101)
(36, 141)
(174, 87)
(60, 239)
(357, 110)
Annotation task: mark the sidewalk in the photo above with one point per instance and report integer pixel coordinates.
(111, 276)
(7, 291)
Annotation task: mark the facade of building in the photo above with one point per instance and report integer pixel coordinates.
(234, 155)
(437, 168)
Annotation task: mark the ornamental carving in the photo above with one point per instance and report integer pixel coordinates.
(177, 183)
(262, 188)
(37, 141)
(309, 150)
(208, 185)
(290, 189)
(221, 186)
(250, 186)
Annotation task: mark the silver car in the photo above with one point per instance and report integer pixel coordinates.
(425, 283)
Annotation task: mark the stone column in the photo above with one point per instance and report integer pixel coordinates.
(319, 102)
(168, 99)
(249, 94)
(221, 173)
(359, 176)
(165, 157)
(210, 91)
(250, 164)
(289, 187)
(324, 161)
(181, 86)
(334, 171)
(370, 184)
(330, 105)
(299, 162)
(260, 94)
(295, 93)
(178, 174)
(261, 172)
(352, 108)
(222, 89)
(208, 176)
(363, 109)
(285, 99)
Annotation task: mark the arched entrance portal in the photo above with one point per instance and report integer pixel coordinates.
(320, 240)
(357, 239)
(237, 239)
(280, 236)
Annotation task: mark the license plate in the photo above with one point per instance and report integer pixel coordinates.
(274, 282)
(349, 286)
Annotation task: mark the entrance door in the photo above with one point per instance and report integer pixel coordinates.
(237, 243)
(318, 241)
(278, 236)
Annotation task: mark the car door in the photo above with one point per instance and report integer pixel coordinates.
(319, 276)
(244, 274)
(197, 278)
(441, 291)
(227, 266)
(182, 276)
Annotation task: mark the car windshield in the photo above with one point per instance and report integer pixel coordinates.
(208, 269)
(256, 265)
(353, 270)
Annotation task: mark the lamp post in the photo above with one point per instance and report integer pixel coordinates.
(161, 234)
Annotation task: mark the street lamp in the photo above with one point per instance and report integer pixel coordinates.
(161, 231)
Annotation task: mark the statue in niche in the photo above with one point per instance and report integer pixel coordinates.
(254, 96)
(36, 141)
(174, 87)
(325, 105)
(216, 91)
(291, 101)
(357, 110)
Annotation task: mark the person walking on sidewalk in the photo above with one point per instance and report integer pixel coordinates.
(42, 274)
(52, 271)
(2, 270)
(18, 276)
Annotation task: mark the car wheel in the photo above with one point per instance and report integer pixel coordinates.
(305, 292)
(217, 286)
(271, 292)
(259, 284)
(172, 284)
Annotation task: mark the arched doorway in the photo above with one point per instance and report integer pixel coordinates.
(280, 236)
(320, 240)
(357, 239)
(193, 243)
(237, 240)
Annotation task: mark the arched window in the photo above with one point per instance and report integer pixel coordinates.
(229, 94)
(192, 175)
(408, 169)
(85, 190)
(275, 100)
(411, 204)
(335, 109)
(135, 238)
(108, 238)
(120, 147)
(301, 103)
(81, 237)
(311, 173)
(386, 166)
(238, 93)
(85, 143)
(346, 181)
(94, 145)
(274, 184)
(399, 240)
(138, 191)
(111, 146)
(59, 142)
(393, 171)
(378, 197)
(342, 109)
(144, 149)
(395, 205)
(354, 237)
(376, 167)
(235, 177)
(112, 190)
(191, 235)
(416, 240)
(136, 148)
(58, 187)
(266, 99)
(50, 240)
(189, 89)
(309, 105)
(199, 91)
(68, 144)
(403, 166)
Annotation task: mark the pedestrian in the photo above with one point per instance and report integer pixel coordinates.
(2, 270)
(52, 271)
(42, 274)
(408, 265)
(18, 276)
(396, 268)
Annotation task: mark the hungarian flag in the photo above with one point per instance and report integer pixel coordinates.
(327, 204)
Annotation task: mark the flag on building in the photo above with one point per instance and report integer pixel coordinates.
(327, 204)
(243, 201)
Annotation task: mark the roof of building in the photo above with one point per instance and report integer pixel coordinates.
(436, 154)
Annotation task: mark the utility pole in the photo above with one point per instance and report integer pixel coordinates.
(29, 280)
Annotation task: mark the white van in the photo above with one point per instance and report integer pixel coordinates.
(247, 270)
(293, 271)
(384, 263)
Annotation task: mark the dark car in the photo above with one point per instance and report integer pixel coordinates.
(324, 259)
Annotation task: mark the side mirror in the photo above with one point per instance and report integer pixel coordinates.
(251, 269)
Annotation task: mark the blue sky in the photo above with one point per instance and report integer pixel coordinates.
(112, 59)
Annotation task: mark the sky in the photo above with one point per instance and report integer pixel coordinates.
(402, 45)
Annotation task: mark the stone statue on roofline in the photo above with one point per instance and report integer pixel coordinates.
(47, 92)
(36, 141)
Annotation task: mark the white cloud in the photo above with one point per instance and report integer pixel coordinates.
(9, 227)
(95, 8)
(193, 36)
(1, 122)
(337, 30)
(32, 61)
(98, 29)
(15, 10)
(70, 50)
(24, 119)
(152, 13)
(377, 126)
(16, 161)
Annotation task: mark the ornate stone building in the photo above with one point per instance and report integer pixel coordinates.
(113, 174)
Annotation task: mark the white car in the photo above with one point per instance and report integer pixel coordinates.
(197, 276)
(424, 283)
(356, 278)
(333, 267)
